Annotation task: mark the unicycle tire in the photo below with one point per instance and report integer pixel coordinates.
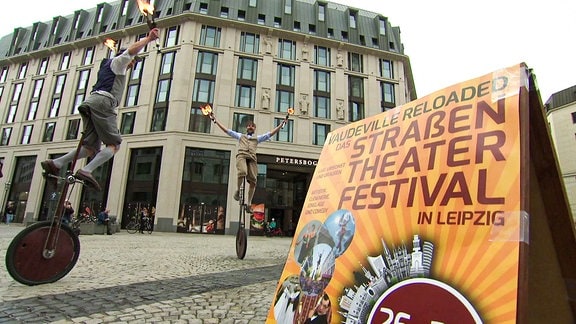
(25, 260)
(241, 243)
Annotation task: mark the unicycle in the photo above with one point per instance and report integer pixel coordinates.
(46, 251)
(241, 239)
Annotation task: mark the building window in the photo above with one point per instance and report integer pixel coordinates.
(203, 9)
(22, 70)
(574, 118)
(286, 75)
(355, 98)
(198, 122)
(321, 12)
(312, 29)
(386, 69)
(322, 81)
(322, 107)
(33, 107)
(6, 132)
(159, 119)
(352, 19)
(210, 36)
(285, 87)
(245, 96)
(277, 22)
(288, 7)
(56, 95)
(253, 3)
(284, 100)
(249, 43)
(241, 15)
(285, 134)
(43, 67)
(320, 133)
(26, 134)
(239, 121)
(17, 92)
(65, 61)
(134, 84)
(224, 12)
(388, 98)
(203, 91)
(81, 90)
(355, 62)
(296, 27)
(382, 26)
(167, 65)
(171, 36)
(88, 56)
(127, 122)
(73, 128)
(3, 74)
(11, 114)
(207, 63)
(286, 49)
(49, 132)
(321, 94)
(247, 69)
(246, 83)
(261, 19)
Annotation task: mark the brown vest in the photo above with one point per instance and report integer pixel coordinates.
(247, 146)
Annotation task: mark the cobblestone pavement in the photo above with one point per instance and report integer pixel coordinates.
(143, 278)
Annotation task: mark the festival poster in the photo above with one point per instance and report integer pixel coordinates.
(414, 215)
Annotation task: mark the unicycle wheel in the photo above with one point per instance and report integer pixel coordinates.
(241, 243)
(27, 262)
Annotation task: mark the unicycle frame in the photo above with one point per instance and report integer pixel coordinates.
(53, 235)
(241, 240)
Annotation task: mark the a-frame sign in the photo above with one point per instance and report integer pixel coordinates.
(448, 209)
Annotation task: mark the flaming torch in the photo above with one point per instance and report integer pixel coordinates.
(207, 111)
(111, 44)
(147, 9)
(290, 112)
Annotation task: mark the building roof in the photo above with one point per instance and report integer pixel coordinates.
(561, 98)
(302, 18)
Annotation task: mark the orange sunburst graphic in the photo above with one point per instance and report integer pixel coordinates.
(426, 193)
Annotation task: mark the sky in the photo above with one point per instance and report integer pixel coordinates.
(447, 41)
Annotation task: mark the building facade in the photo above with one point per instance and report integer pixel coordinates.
(248, 59)
(561, 114)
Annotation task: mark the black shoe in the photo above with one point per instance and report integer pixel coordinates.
(249, 209)
(88, 179)
(237, 195)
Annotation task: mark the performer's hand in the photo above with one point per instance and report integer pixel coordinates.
(153, 34)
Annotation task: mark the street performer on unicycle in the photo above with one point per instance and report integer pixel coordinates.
(247, 169)
(47, 251)
(246, 163)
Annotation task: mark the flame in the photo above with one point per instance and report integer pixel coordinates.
(290, 111)
(206, 109)
(111, 44)
(146, 8)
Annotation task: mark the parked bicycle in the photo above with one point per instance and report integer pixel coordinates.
(134, 225)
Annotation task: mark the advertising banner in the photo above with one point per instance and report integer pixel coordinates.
(414, 215)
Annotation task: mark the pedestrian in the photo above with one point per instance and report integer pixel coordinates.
(144, 220)
(99, 115)
(104, 219)
(246, 163)
(9, 212)
(68, 212)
